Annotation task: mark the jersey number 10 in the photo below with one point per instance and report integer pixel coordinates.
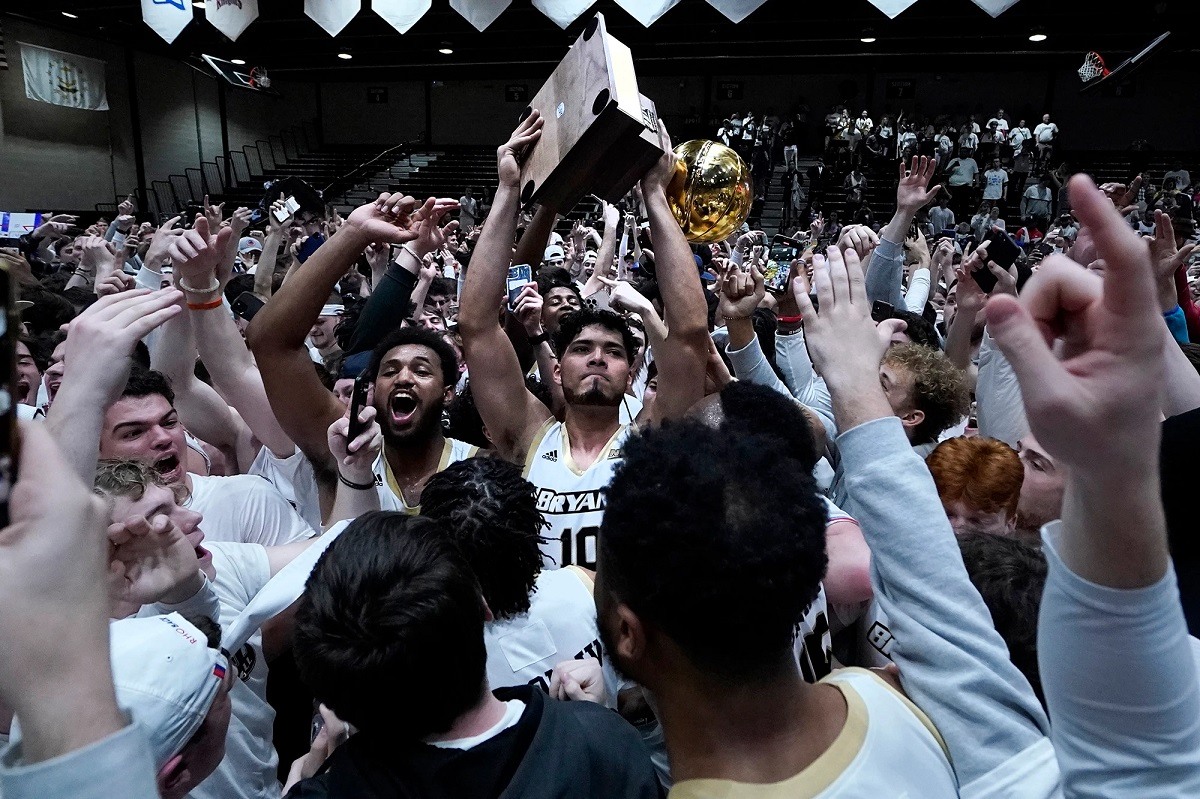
(579, 549)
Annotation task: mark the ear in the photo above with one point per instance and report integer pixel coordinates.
(557, 376)
(630, 638)
(911, 421)
(171, 775)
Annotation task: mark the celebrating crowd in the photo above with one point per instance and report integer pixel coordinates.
(474, 509)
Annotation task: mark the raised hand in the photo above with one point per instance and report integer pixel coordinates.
(199, 255)
(114, 283)
(624, 297)
(55, 227)
(816, 226)
(913, 192)
(528, 310)
(377, 254)
(279, 207)
(859, 238)
(151, 560)
(1167, 258)
(509, 154)
(240, 220)
(127, 206)
(1123, 196)
(388, 219)
(430, 236)
(214, 213)
(99, 256)
(356, 459)
(160, 243)
(740, 293)
(666, 169)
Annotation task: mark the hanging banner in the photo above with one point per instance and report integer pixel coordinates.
(647, 12)
(231, 17)
(401, 14)
(995, 7)
(736, 10)
(167, 18)
(480, 13)
(332, 15)
(892, 8)
(563, 12)
(58, 78)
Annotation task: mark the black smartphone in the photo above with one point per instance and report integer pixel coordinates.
(1002, 250)
(947, 233)
(247, 305)
(784, 248)
(8, 371)
(881, 310)
(358, 399)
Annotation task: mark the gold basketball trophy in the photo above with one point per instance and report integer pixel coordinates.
(601, 135)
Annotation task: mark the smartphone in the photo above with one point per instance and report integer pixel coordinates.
(358, 399)
(947, 233)
(881, 310)
(10, 328)
(775, 276)
(1002, 250)
(247, 305)
(785, 249)
(291, 206)
(519, 277)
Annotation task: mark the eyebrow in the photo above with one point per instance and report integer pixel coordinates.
(144, 422)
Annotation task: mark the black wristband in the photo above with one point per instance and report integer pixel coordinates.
(355, 486)
(540, 338)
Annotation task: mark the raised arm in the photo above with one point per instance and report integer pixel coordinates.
(885, 269)
(303, 406)
(608, 248)
(682, 356)
(511, 413)
(356, 492)
(264, 273)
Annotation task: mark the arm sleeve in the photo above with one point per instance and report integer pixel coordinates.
(952, 662)
(885, 269)
(203, 603)
(1177, 324)
(119, 765)
(918, 292)
(751, 365)
(385, 309)
(1119, 676)
(998, 396)
(791, 354)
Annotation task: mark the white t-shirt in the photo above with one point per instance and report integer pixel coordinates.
(249, 768)
(245, 509)
(513, 710)
(962, 171)
(1045, 132)
(1018, 137)
(968, 139)
(294, 478)
(994, 180)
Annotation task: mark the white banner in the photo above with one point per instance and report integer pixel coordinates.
(480, 13)
(736, 10)
(893, 8)
(231, 17)
(647, 12)
(563, 12)
(401, 14)
(167, 17)
(332, 15)
(59, 78)
(995, 7)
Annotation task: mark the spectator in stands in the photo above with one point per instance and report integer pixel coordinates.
(1182, 178)
(962, 176)
(1037, 199)
(940, 216)
(995, 183)
(1046, 134)
(468, 210)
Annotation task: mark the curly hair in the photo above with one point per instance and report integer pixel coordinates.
(700, 540)
(573, 323)
(489, 513)
(983, 473)
(939, 388)
(421, 337)
(129, 478)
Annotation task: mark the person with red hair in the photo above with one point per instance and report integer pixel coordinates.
(979, 482)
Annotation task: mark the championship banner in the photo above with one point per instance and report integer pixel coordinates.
(231, 17)
(737, 10)
(647, 12)
(480, 13)
(995, 7)
(401, 14)
(331, 15)
(167, 18)
(563, 12)
(58, 78)
(893, 8)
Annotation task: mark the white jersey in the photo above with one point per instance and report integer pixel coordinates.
(245, 509)
(888, 748)
(390, 495)
(572, 499)
(560, 625)
(294, 478)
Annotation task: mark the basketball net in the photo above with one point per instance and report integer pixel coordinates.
(1093, 67)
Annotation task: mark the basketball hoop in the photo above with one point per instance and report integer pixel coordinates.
(1093, 67)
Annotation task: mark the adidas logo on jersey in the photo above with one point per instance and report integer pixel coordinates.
(616, 454)
(551, 456)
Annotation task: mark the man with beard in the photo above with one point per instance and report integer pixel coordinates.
(412, 371)
(570, 462)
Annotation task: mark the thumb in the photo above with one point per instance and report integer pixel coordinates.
(889, 327)
(1022, 343)
(201, 225)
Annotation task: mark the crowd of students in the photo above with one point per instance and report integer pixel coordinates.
(870, 514)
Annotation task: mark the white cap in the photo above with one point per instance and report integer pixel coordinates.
(248, 243)
(332, 310)
(166, 676)
(552, 252)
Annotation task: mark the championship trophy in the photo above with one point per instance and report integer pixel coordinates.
(600, 134)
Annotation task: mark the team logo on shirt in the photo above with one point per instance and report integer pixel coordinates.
(880, 637)
(616, 453)
(551, 501)
(244, 661)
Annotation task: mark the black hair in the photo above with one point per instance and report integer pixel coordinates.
(440, 287)
(919, 329)
(555, 277)
(462, 415)
(237, 285)
(753, 408)
(144, 382)
(488, 511)
(40, 349)
(573, 323)
(700, 545)
(49, 311)
(389, 631)
(1010, 574)
(422, 337)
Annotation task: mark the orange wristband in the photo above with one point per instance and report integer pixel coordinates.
(205, 306)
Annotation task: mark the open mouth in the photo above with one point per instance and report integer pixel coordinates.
(403, 407)
(167, 465)
(195, 538)
(22, 388)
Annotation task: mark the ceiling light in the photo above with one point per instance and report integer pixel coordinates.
(238, 61)
(446, 51)
(1037, 37)
(345, 56)
(198, 3)
(69, 15)
(868, 36)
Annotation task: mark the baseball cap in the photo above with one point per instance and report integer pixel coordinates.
(166, 676)
(556, 237)
(552, 252)
(247, 243)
